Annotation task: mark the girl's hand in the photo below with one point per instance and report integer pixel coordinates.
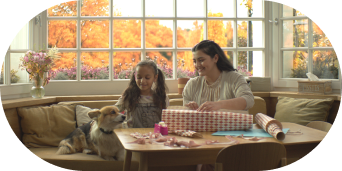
(209, 106)
(192, 105)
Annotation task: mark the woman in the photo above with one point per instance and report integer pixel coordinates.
(218, 85)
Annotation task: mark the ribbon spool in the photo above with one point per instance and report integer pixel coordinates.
(181, 84)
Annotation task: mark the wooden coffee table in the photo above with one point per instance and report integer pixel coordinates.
(152, 155)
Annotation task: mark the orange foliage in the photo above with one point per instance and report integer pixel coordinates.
(126, 34)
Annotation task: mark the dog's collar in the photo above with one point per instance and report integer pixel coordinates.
(106, 132)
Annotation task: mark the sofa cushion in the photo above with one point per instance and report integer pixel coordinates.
(44, 126)
(302, 111)
(82, 115)
(81, 161)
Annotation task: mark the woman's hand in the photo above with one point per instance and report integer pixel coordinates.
(192, 105)
(209, 106)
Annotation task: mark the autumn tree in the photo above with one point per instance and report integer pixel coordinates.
(126, 34)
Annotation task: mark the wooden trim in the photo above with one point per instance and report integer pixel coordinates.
(28, 101)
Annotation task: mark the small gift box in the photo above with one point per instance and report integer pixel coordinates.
(206, 121)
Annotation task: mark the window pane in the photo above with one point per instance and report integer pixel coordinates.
(17, 75)
(127, 33)
(250, 34)
(62, 33)
(249, 8)
(127, 8)
(158, 8)
(63, 9)
(21, 40)
(319, 38)
(189, 32)
(124, 63)
(65, 67)
(250, 63)
(197, 8)
(163, 61)
(291, 12)
(95, 65)
(185, 65)
(325, 64)
(95, 8)
(295, 64)
(221, 8)
(221, 32)
(295, 33)
(95, 33)
(230, 56)
(159, 33)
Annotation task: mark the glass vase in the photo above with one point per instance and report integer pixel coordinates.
(37, 90)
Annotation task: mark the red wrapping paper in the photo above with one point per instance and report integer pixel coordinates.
(270, 125)
(206, 121)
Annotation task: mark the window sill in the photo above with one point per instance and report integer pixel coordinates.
(29, 101)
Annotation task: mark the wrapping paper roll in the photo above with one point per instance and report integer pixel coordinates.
(270, 125)
(206, 121)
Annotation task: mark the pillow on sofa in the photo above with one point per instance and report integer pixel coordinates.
(44, 126)
(82, 115)
(302, 111)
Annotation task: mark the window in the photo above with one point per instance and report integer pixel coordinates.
(101, 43)
(105, 41)
(303, 47)
(10, 67)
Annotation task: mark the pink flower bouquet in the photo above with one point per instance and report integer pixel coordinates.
(38, 63)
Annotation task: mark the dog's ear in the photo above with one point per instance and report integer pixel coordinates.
(94, 113)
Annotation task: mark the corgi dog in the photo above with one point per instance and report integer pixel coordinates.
(97, 136)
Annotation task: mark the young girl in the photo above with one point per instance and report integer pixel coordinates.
(145, 96)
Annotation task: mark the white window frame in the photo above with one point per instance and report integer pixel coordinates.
(291, 84)
(117, 86)
(18, 90)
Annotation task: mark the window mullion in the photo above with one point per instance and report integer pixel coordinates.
(111, 47)
(174, 54)
(78, 44)
(7, 69)
(235, 37)
(143, 22)
(310, 52)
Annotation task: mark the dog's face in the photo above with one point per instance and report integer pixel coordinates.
(108, 117)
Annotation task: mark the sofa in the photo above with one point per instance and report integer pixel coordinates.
(15, 111)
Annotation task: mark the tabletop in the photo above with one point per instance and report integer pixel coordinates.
(309, 135)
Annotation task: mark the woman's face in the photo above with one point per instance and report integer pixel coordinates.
(203, 63)
(144, 78)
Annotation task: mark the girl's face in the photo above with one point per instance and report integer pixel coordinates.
(203, 63)
(144, 78)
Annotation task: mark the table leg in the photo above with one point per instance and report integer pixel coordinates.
(143, 163)
(127, 161)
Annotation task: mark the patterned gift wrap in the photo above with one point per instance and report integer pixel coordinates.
(270, 125)
(206, 121)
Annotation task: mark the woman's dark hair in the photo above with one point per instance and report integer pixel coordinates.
(211, 48)
(131, 95)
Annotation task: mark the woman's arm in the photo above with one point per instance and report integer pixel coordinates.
(231, 104)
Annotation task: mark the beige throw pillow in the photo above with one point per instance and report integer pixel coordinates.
(82, 115)
(302, 111)
(45, 126)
